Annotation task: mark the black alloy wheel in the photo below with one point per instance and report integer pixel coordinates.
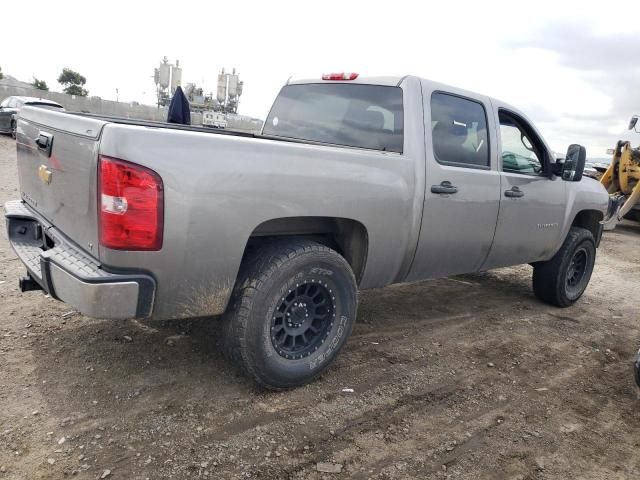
(303, 319)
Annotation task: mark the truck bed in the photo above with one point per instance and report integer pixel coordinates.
(221, 188)
(156, 124)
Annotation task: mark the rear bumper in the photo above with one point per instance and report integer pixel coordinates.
(69, 274)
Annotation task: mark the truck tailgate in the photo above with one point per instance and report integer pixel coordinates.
(57, 169)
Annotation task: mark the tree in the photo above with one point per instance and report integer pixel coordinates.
(39, 84)
(72, 82)
(1, 76)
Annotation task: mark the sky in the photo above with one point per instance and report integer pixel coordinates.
(572, 67)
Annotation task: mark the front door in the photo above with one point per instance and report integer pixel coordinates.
(532, 201)
(462, 186)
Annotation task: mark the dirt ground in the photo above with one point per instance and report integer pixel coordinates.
(467, 378)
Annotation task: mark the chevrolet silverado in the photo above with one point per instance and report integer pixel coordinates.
(353, 183)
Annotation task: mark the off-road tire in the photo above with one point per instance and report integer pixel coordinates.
(551, 279)
(268, 275)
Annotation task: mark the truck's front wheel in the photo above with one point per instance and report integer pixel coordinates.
(563, 279)
(292, 311)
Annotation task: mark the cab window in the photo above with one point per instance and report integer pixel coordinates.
(459, 129)
(520, 150)
(354, 115)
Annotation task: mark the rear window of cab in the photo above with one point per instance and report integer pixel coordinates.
(353, 115)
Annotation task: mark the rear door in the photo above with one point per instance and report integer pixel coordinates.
(462, 185)
(531, 202)
(57, 170)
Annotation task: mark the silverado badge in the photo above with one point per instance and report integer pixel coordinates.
(45, 174)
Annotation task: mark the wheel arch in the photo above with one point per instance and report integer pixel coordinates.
(590, 220)
(347, 236)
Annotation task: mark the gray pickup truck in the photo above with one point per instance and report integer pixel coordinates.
(353, 183)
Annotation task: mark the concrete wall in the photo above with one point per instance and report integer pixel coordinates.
(86, 104)
(73, 103)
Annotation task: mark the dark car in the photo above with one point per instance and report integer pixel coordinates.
(10, 106)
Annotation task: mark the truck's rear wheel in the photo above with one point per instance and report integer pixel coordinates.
(291, 312)
(563, 279)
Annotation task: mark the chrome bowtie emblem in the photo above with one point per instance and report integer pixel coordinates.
(45, 174)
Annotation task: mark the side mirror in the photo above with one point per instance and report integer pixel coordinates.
(633, 122)
(574, 163)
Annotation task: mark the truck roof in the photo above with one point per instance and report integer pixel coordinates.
(393, 81)
(396, 80)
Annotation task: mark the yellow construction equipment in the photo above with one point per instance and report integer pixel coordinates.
(622, 180)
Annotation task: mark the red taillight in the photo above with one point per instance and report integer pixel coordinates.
(131, 206)
(339, 76)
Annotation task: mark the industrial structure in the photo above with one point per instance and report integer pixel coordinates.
(167, 78)
(228, 91)
(219, 110)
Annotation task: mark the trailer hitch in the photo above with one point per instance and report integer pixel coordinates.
(28, 284)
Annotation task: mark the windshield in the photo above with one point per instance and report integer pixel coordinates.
(355, 115)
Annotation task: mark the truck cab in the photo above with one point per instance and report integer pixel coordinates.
(493, 193)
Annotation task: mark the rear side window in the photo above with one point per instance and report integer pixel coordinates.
(459, 128)
(354, 115)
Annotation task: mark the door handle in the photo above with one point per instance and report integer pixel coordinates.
(515, 192)
(444, 187)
